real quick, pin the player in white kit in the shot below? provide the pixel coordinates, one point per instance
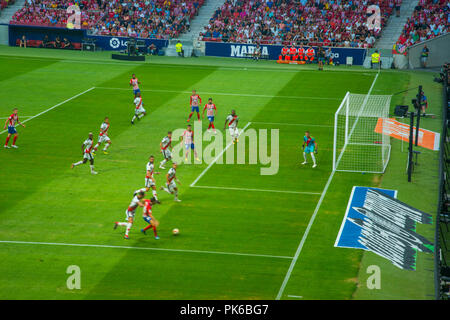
(103, 137)
(188, 138)
(232, 121)
(171, 186)
(137, 201)
(139, 111)
(86, 147)
(149, 179)
(166, 145)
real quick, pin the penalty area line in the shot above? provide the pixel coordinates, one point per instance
(143, 248)
(53, 107)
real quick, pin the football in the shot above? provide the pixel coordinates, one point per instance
(175, 231)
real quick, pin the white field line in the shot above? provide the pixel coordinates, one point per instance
(217, 158)
(257, 190)
(55, 106)
(311, 221)
(294, 124)
(142, 248)
(223, 94)
(298, 297)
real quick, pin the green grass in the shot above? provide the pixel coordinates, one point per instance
(247, 238)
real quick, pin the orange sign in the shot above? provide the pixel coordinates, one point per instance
(427, 139)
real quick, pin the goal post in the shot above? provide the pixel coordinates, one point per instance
(359, 143)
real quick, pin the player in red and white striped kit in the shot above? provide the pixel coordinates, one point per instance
(148, 217)
(11, 123)
(166, 145)
(139, 111)
(149, 179)
(188, 137)
(211, 111)
(87, 153)
(103, 137)
(137, 201)
(171, 186)
(194, 102)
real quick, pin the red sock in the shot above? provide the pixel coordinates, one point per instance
(147, 227)
(209, 127)
(212, 125)
(14, 140)
(154, 231)
(7, 140)
(190, 115)
(198, 116)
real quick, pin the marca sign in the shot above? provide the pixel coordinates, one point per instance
(240, 50)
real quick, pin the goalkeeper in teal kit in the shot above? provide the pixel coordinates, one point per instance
(309, 146)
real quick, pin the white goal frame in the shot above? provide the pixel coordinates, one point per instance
(357, 146)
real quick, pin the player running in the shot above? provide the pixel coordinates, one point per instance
(194, 102)
(134, 82)
(171, 186)
(87, 153)
(137, 201)
(139, 112)
(11, 123)
(166, 145)
(148, 217)
(211, 112)
(103, 137)
(149, 179)
(232, 121)
(311, 148)
(188, 137)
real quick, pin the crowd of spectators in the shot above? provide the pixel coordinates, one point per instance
(147, 18)
(5, 3)
(330, 22)
(132, 18)
(430, 19)
(53, 13)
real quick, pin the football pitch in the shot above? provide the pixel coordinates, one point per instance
(243, 235)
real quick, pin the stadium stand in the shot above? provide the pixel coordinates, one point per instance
(430, 19)
(160, 19)
(332, 23)
(134, 18)
(53, 13)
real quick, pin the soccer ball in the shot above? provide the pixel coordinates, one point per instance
(175, 231)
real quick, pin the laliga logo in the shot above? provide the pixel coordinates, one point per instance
(114, 43)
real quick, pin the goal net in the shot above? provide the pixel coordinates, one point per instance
(359, 142)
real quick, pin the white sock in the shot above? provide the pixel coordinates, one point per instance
(166, 190)
(141, 115)
(122, 223)
(176, 194)
(128, 228)
(313, 158)
(163, 162)
(154, 194)
(304, 156)
(96, 146)
(106, 146)
(92, 167)
(134, 118)
(78, 163)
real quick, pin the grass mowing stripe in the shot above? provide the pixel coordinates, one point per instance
(55, 106)
(258, 190)
(143, 248)
(216, 158)
(313, 217)
(225, 94)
